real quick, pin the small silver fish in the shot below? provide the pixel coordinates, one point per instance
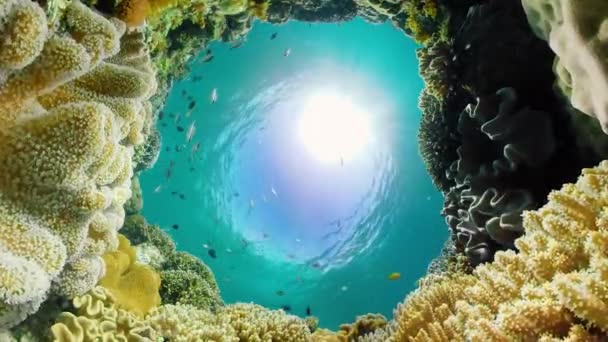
(158, 188)
(287, 52)
(274, 192)
(191, 131)
(251, 203)
(205, 246)
(178, 117)
(194, 149)
(228, 250)
(214, 95)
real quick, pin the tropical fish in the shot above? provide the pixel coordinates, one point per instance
(182, 196)
(180, 128)
(287, 52)
(236, 45)
(208, 58)
(196, 78)
(158, 188)
(228, 250)
(209, 51)
(169, 171)
(173, 193)
(298, 240)
(161, 115)
(191, 131)
(286, 308)
(214, 95)
(308, 310)
(273, 36)
(175, 226)
(178, 117)
(316, 264)
(394, 276)
(211, 253)
(167, 149)
(251, 203)
(236, 194)
(205, 246)
(194, 149)
(274, 192)
(344, 288)
(280, 293)
(191, 104)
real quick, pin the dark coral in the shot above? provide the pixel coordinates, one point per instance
(436, 142)
(312, 10)
(139, 231)
(146, 154)
(504, 149)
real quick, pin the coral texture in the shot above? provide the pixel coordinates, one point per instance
(134, 286)
(62, 141)
(554, 288)
(576, 32)
(99, 319)
(499, 138)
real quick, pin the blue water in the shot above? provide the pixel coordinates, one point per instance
(325, 233)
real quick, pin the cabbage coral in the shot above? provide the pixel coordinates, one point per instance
(134, 286)
(67, 162)
(97, 318)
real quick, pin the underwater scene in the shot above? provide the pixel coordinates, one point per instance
(303, 170)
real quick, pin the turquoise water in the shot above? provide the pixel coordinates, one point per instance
(287, 227)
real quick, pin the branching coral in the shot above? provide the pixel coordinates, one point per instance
(554, 288)
(98, 319)
(134, 286)
(67, 164)
(256, 323)
(576, 32)
(499, 139)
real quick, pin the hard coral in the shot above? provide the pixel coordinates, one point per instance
(554, 288)
(576, 32)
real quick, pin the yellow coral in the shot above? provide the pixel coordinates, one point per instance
(98, 319)
(134, 286)
(554, 288)
(187, 323)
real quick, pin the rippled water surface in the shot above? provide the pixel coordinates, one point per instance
(324, 233)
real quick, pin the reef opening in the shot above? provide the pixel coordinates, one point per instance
(81, 88)
(276, 187)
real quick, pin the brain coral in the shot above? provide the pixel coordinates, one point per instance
(66, 141)
(554, 288)
(577, 32)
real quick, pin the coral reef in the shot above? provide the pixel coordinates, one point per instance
(575, 31)
(133, 286)
(553, 288)
(68, 164)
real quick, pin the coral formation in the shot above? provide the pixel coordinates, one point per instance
(68, 165)
(133, 286)
(576, 33)
(135, 203)
(553, 288)
(98, 318)
(187, 280)
(187, 323)
(138, 231)
(483, 209)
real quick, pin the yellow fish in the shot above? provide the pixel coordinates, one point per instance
(394, 276)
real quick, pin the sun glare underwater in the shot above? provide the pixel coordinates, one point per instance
(294, 186)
